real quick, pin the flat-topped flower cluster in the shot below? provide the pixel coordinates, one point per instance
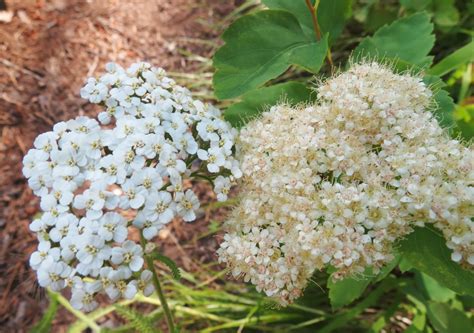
(339, 182)
(151, 138)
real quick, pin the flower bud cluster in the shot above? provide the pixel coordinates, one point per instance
(152, 138)
(339, 182)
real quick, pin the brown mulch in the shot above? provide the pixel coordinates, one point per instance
(47, 51)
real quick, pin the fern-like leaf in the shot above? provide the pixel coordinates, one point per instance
(175, 272)
(137, 321)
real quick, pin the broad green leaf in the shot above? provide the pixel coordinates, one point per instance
(409, 39)
(404, 265)
(385, 271)
(260, 47)
(444, 111)
(433, 289)
(444, 104)
(44, 325)
(465, 129)
(378, 15)
(345, 291)
(461, 56)
(298, 9)
(332, 15)
(415, 4)
(256, 101)
(445, 13)
(343, 318)
(448, 320)
(426, 251)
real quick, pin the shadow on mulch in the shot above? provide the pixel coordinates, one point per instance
(47, 51)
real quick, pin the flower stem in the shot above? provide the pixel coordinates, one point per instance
(159, 290)
(314, 18)
(317, 30)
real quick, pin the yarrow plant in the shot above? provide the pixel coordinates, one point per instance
(337, 183)
(151, 139)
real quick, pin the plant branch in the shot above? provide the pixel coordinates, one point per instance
(317, 30)
(314, 17)
(156, 282)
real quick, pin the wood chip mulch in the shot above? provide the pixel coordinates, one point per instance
(47, 50)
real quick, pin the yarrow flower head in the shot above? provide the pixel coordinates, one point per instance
(151, 140)
(339, 182)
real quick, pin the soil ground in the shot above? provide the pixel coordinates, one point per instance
(47, 50)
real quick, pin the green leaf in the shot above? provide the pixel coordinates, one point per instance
(404, 265)
(433, 289)
(448, 320)
(461, 56)
(44, 325)
(415, 4)
(260, 47)
(175, 272)
(385, 271)
(332, 15)
(378, 15)
(444, 104)
(346, 291)
(426, 251)
(342, 318)
(409, 39)
(465, 129)
(256, 101)
(444, 111)
(445, 13)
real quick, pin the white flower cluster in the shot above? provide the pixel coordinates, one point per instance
(337, 183)
(155, 136)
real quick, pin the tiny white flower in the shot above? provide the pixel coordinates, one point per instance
(145, 283)
(52, 274)
(113, 226)
(186, 205)
(44, 253)
(159, 206)
(130, 254)
(83, 298)
(92, 253)
(150, 228)
(119, 286)
(114, 170)
(92, 201)
(214, 158)
(222, 187)
(134, 196)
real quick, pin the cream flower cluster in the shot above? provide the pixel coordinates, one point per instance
(153, 137)
(338, 182)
